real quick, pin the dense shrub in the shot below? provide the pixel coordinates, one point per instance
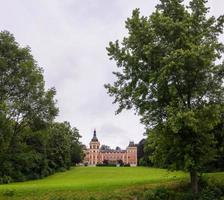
(9, 193)
(166, 194)
(5, 179)
(111, 165)
(159, 194)
(105, 165)
(210, 190)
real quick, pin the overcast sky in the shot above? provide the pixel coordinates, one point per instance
(68, 39)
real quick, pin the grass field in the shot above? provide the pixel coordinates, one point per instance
(83, 182)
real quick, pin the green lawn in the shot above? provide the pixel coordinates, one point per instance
(82, 182)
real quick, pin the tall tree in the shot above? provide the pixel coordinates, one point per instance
(32, 145)
(23, 98)
(25, 108)
(170, 76)
(63, 147)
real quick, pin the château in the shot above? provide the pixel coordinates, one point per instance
(95, 154)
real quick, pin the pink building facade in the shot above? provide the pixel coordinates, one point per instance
(96, 155)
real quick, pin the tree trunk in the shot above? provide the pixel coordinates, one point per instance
(194, 181)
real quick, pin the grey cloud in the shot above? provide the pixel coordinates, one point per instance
(68, 39)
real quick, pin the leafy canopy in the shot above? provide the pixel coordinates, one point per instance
(170, 74)
(32, 144)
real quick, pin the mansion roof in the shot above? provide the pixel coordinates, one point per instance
(107, 149)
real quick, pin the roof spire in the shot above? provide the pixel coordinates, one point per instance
(94, 139)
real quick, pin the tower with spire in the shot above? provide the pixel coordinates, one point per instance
(94, 149)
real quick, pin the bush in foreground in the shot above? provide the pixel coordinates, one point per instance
(210, 190)
(111, 165)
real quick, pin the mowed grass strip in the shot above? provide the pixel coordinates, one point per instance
(101, 182)
(97, 178)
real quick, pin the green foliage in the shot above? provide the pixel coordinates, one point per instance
(170, 76)
(218, 163)
(106, 165)
(92, 198)
(22, 92)
(5, 179)
(63, 148)
(210, 190)
(32, 144)
(9, 193)
(159, 193)
(143, 153)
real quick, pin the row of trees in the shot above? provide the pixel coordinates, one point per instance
(32, 145)
(170, 73)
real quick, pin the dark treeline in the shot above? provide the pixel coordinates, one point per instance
(32, 145)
